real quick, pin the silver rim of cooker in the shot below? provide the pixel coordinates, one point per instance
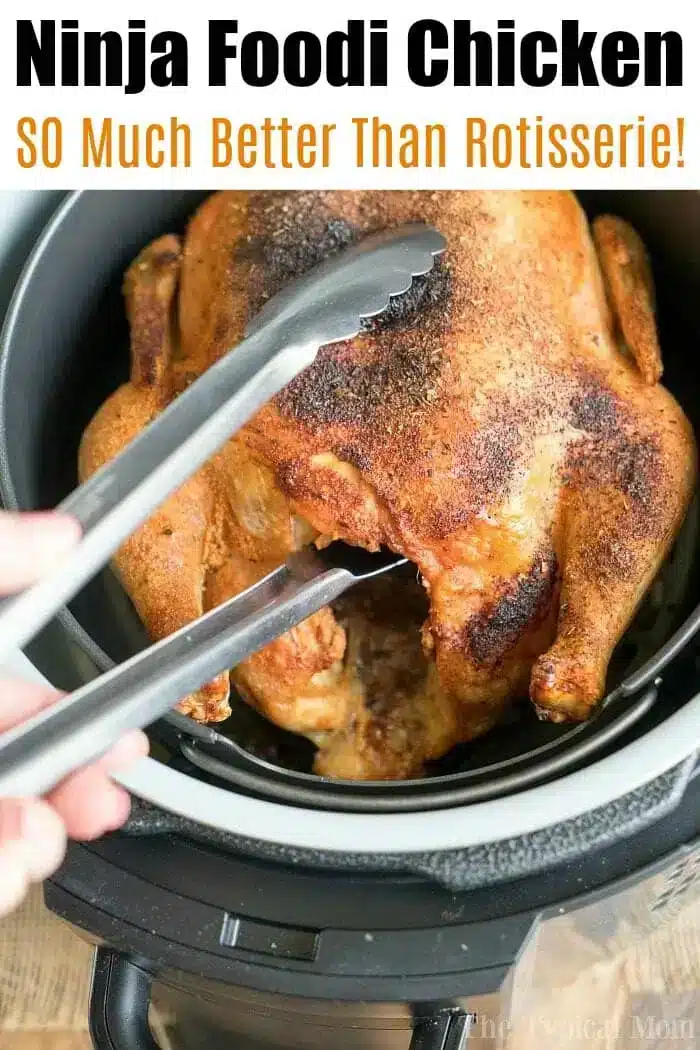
(600, 783)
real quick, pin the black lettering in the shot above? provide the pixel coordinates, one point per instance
(506, 54)
(34, 55)
(423, 35)
(378, 54)
(220, 50)
(619, 59)
(302, 59)
(70, 54)
(171, 67)
(534, 73)
(345, 56)
(103, 51)
(483, 56)
(260, 60)
(577, 67)
(136, 77)
(671, 44)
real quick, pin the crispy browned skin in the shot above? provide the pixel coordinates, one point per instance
(501, 425)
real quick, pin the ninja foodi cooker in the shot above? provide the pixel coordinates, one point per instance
(289, 911)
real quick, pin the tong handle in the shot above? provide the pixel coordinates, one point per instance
(327, 305)
(38, 754)
(124, 493)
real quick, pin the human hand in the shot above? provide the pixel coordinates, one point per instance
(33, 831)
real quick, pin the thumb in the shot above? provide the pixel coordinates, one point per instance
(31, 545)
(32, 846)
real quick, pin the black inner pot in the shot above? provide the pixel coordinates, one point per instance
(66, 350)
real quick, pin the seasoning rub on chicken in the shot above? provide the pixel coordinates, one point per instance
(502, 425)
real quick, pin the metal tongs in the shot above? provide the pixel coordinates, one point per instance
(326, 306)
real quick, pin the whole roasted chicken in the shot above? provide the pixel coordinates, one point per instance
(502, 425)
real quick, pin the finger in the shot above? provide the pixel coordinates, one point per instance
(32, 846)
(20, 700)
(31, 545)
(126, 752)
(14, 881)
(90, 804)
(14, 878)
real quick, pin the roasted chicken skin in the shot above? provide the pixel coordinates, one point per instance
(502, 425)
